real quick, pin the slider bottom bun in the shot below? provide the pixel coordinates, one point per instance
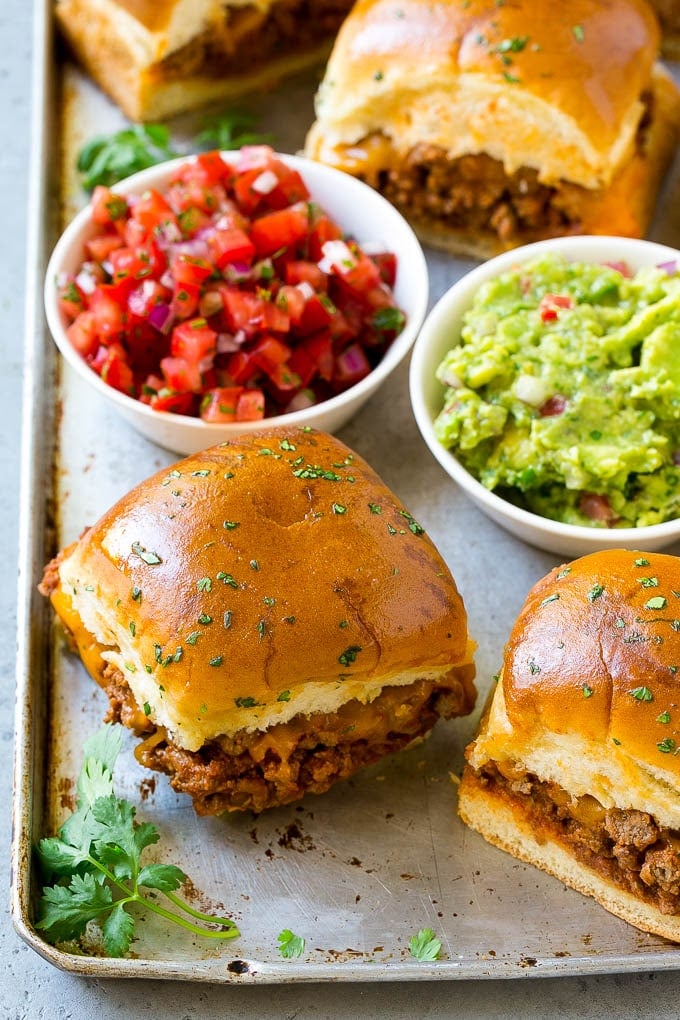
(268, 618)
(470, 205)
(516, 824)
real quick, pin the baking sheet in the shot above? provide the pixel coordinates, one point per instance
(361, 869)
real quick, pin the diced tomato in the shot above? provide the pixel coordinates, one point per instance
(208, 168)
(242, 366)
(387, 267)
(220, 404)
(177, 403)
(290, 187)
(597, 507)
(191, 270)
(181, 375)
(250, 406)
(281, 229)
(269, 353)
(292, 301)
(247, 198)
(318, 313)
(109, 315)
(231, 245)
(151, 209)
(323, 229)
(117, 373)
(194, 341)
(108, 207)
(82, 333)
(320, 349)
(71, 298)
(185, 299)
(302, 271)
(99, 248)
(550, 305)
(243, 310)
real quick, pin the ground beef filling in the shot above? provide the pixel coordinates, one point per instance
(627, 848)
(251, 38)
(253, 771)
(473, 193)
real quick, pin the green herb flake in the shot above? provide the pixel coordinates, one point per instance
(284, 696)
(247, 702)
(338, 508)
(375, 508)
(616, 741)
(349, 655)
(641, 562)
(226, 579)
(664, 717)
(413, 525)
(587, 691)
(425, 946)
(286, 444)
(642, 694)
(230, 525)
(658, 602)
(666, 746)
(549, 598)
(205, 584)
(578, 33)
(649, 582)
(204, 619)
(192, 638)
(620, 623)
(595, 592)
(96, 861)
(563, 573)
(226, 619)
(254, 565)
(146, 708)
(136, 594)
(290, 946)
(133, 627)
(217, 661)
(146, 555)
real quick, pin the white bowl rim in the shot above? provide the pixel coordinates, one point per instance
(154, 176)
(618, 248)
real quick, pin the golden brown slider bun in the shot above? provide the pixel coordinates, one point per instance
(158, 58)
(269, 615)
(576, 767)
(490, 125)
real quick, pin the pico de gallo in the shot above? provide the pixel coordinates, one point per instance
(228, 295)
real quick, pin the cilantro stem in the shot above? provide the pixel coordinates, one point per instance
(134, 896)
(210, 919)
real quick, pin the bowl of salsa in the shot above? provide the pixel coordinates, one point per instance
(224, 292)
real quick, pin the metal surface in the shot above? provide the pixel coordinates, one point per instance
(358, 871)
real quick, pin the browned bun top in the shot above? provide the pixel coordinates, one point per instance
(595, 652)
(266, 576)
(511, 79)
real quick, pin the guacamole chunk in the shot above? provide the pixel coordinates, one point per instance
(563, 394)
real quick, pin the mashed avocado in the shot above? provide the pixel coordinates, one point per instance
(564, 392)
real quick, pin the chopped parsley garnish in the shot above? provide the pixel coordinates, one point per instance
(349, 655)
(667, 745)
(642, 694)
(658, 602)
(587, 691)
(664, 717)
(146, 555)
(595, 592)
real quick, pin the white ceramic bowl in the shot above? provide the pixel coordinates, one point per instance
(441, 331)
(359, 210)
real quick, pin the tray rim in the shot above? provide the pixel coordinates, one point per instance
(38, 462)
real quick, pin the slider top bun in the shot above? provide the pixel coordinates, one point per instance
(265, 577)
(589, 695)
(556, 87)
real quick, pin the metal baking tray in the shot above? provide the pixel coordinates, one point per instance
(361, 869)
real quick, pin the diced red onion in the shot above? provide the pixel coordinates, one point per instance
(227, 343)
(301, 400)
(336, 253)
(167, 280)
(161, 318)
(352, 361)
(669, 267)
(205, 364)
(265, 183)
(252, 156)
(305, 289)
(167, 233)
(236, 272)
(197, 249)
(86, 281)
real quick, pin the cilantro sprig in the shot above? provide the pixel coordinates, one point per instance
(107, 159)
(94, 864)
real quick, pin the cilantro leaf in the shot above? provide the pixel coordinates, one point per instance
(94, 864)
(109, 158)
(425, 945)
(229, 130)
(290, 946)
(66, 910)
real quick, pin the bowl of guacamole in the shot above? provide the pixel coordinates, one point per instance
(547, 383)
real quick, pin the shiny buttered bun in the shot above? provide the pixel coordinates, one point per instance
(491, 125)
(576, 767)
(269, 617)
(159, 58)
